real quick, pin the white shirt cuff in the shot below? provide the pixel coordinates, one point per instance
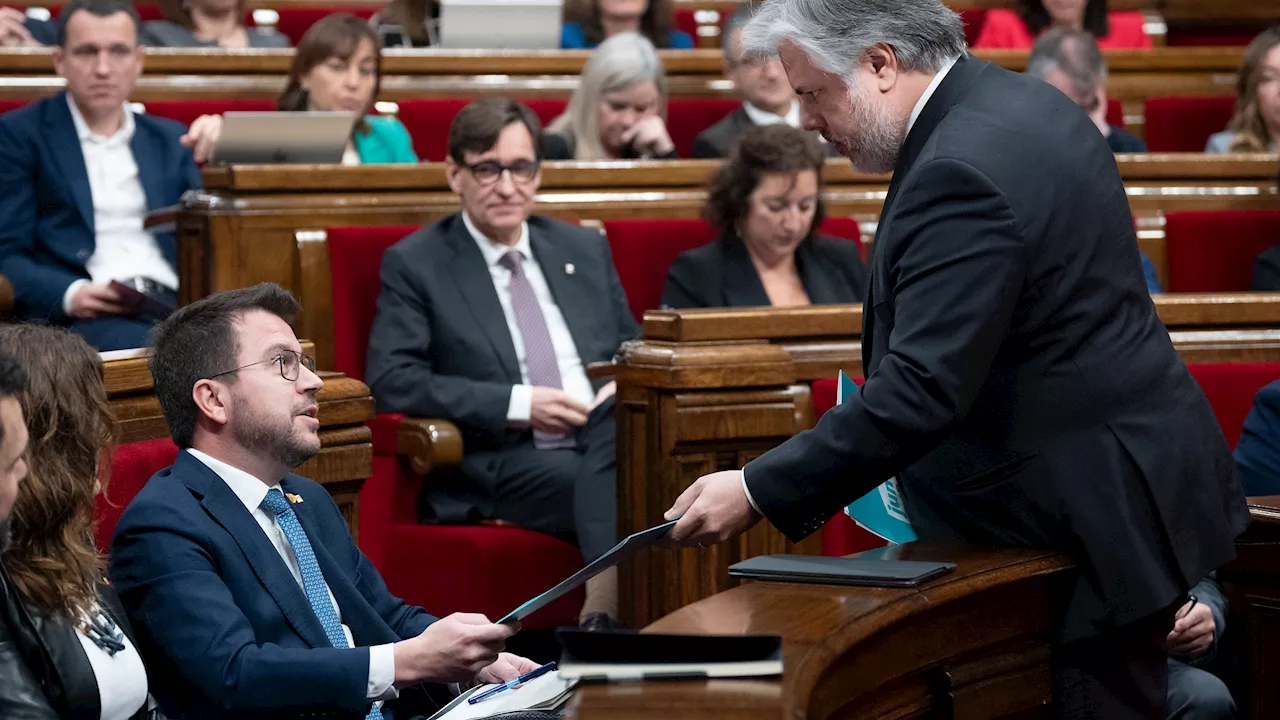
(382, 673)
(70, 293)
(747, 490)
(520, 408)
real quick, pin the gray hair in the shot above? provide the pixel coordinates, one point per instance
(924, 34)
(618, 63)
(1075, 53)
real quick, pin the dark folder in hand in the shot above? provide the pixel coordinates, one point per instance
(839, 570)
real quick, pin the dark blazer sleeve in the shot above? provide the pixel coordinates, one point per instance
(704, 148)
(401, 371)
(168, 580)
(687, 283)
(957, 267)
(555, 146)
(1257, 454)
(44, 32)
(1266, 270)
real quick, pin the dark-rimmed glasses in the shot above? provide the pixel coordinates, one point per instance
(288, 360)
(488, 171)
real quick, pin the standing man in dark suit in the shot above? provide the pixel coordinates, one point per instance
(79, 172)
(489, 319)
(248, 595)
(766, 97)
(1019, 383)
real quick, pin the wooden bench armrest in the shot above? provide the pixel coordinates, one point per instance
(6, 297)
(429, 443)
(162, 220)
(601, 370)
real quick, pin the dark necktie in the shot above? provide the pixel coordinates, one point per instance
(539, 353)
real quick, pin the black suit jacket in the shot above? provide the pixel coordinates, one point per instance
(440, 345)
(1019, 382)
(717, 140)
(1266, 270)
(720, 274)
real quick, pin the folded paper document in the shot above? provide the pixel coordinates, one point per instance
(547, 692)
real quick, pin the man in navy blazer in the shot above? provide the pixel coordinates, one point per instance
(248, 595)
(78, 173)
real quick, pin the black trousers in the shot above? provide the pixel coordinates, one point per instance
(571, 493)
(1121, 674)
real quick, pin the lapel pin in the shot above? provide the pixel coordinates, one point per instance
(568, 268)
(295, 499)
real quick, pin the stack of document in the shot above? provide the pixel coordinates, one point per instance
(547, 692)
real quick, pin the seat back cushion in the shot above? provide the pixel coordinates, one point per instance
(355, 261)
(132, 465)
(186, 111)
(643, 251)
(1230, 388)
(686, 117)
(1184, 124)
(1214, 250)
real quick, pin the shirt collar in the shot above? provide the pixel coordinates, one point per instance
(762, 117)
(493, 251)
(928, 92)
(248, 488)
(123, 135)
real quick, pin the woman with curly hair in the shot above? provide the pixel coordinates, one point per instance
(65, 651)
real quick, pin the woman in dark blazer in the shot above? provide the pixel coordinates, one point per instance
(766, 202)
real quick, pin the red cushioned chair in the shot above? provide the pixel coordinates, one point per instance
(1214, 250)
(841, 535)
(1115, 113)
(294, 22)
(1230, 388)
(186, 111)
(1184, 124)
(132, 466)
(7, 105)
(547, 109)
(446, 569)
(643, 251)
(686, 117)
(686, 20)
(973, 20)
(428, 121)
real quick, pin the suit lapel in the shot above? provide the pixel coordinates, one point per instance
(742, 284)
(475, 283)
(355, 610)
(566, 288)
(66, 151)
(147, 153)
(815, 278)
(223, 505)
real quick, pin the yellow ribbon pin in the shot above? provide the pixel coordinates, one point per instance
(295, 499)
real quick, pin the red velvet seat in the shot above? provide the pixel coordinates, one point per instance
(132, 466)
(973, 19)
(484, 569)
(686, 20)
(1184, 124)
(643, 251)
(186, 111)
(1230, 388)
(1214, 250)
(686, 117)
(1115, 113)
(841, 535)
(295, 21)
(7, 105)
(428, 121)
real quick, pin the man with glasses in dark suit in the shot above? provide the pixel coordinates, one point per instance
(489, 319)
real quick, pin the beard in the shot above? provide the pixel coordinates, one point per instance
(878, 134)
(272, 436)
(6, 535)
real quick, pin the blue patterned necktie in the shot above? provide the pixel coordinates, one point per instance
(312, 577)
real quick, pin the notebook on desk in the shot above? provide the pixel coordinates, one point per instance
(869, 571)
(546, 693)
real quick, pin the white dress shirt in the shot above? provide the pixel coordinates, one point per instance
(252, 491)
(763, 117)
(573, 375)
(122, 248)
(911, 120)
(121, 678)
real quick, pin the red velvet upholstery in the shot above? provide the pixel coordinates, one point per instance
(547, 109)
(7, 105)
(1230, 388)
(1115, 113)
(1214, 251)
(1202, 36)
(428, 121)
(295, 21)
(686, 20)
(644, 249)
(355, 259)
(1184, 124)
(686, 117)
(186, 111)
(841, 535)
(973, 18)
(445, 569)
(131, 467)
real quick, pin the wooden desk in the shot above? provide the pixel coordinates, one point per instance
(974, 644)
(345, 459)
(709, 390)
(243, 227)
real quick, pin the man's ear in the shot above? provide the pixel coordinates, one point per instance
(451, 170)
(211, 400)
(884, 65)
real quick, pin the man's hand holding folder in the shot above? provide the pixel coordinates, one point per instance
(459, 648)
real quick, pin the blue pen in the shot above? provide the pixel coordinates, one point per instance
(516, 682)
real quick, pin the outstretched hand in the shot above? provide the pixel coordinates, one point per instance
(711, 510)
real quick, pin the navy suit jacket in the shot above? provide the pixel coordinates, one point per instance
(225, 630)
(1258, 451)
(46, 210)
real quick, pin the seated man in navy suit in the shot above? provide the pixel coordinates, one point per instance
(247, 593)
(489, 319)
(78, 173)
